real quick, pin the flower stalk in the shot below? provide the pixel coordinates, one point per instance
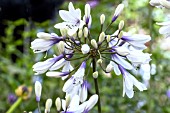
(96, 86)
(15, 105)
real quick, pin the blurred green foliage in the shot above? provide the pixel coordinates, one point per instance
(139, 17)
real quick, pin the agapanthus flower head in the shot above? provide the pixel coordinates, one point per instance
(78, 45)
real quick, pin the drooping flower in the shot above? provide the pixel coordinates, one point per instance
(73, 85)
(44, 42)
(72, 19)
(137, 40)
(128, 82)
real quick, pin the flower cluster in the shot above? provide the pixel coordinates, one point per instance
(123, 51)
(165, 25)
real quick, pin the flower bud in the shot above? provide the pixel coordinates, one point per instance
(108, 38)
(87, 10)
(80, 33)
(120, 35)
(85, 31)
(61, 47)
(48, 105)
(95, 74)
(38, 89)
(94, 43)
(68, 99)
(101, 37)
(58, 104)
(85, 48)
(121, 25)
(109, 68)
(99, 61)
(63, 32)
(102, 18)
(117, 11)
(165, 3)
(74, 35)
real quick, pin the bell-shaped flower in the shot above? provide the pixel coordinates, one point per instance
(42, 67)
(72, 20)
(165, 28)
(129, 81)
(75, 107)
(56, 74)
(137, 40)
(72, 86)
(44, 42)
(137, 57)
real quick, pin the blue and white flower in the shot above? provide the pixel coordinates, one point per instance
(72, 20)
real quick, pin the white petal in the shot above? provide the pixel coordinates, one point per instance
(122, 62)
(54, 74)
(58, 64)
(61, 25)
(164, 29)
(67, 16)
(92, 101)
(129, 93)
(72, 31)
(68, 86)
(64, 104)
(116, 68)
(74, 104)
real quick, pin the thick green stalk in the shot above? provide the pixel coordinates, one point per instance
(96, 86)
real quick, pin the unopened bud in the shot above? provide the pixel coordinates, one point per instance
(102, 18)
(48, 105)
(109, 68)
(108, 38)
(68, 99)
(94, 43)
(101, 37)
(85, 48)
(85, 31)
(99, 61)
(95, 74)
(87, 10)
(38, 89)
(61, 47)
(121, 25)
(120, 35)
(117, 11)
(58, 104)
(80, 33)
(63, 32)
(74, 35)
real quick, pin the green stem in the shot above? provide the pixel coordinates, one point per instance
(15, 105)
(96, 86)
(39, 110)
